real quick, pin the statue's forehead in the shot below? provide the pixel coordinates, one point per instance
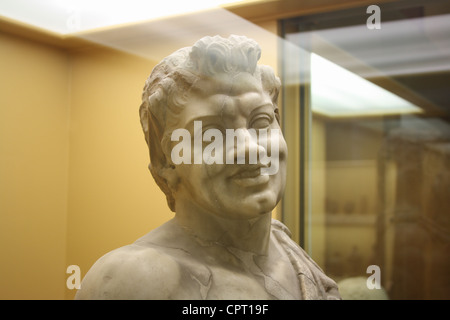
(227, 84)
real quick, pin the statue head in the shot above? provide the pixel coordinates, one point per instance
(212, 66)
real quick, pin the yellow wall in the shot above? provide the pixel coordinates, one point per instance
(73, 166)
(33, 169)
(113, 199)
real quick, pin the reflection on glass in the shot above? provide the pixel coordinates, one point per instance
(65, 17)
(337, 92)
(379, 149)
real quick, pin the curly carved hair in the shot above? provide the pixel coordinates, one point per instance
(168, 87)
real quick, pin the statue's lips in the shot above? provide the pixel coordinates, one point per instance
(250, 176)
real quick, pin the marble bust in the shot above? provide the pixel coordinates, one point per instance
(210, 119)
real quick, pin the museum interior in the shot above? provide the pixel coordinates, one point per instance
(364, 108)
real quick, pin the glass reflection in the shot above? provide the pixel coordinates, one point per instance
(378, 145)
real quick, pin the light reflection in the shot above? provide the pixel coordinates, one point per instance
(66, 17)
(411, 46)
(337, 92)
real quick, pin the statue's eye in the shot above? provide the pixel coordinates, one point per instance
(261, 121)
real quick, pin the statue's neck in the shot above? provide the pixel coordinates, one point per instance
(210, 229)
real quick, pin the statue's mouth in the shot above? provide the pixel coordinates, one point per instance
(250, 175)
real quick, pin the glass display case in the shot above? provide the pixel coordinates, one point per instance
(368, 108)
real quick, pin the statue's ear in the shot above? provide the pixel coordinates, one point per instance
(170, 176)
(161, 168)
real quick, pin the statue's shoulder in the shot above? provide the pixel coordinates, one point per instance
(315, 284)
(283, 235)
(279, 226)
(131, 272)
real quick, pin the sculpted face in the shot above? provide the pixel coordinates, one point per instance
(231, 190)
